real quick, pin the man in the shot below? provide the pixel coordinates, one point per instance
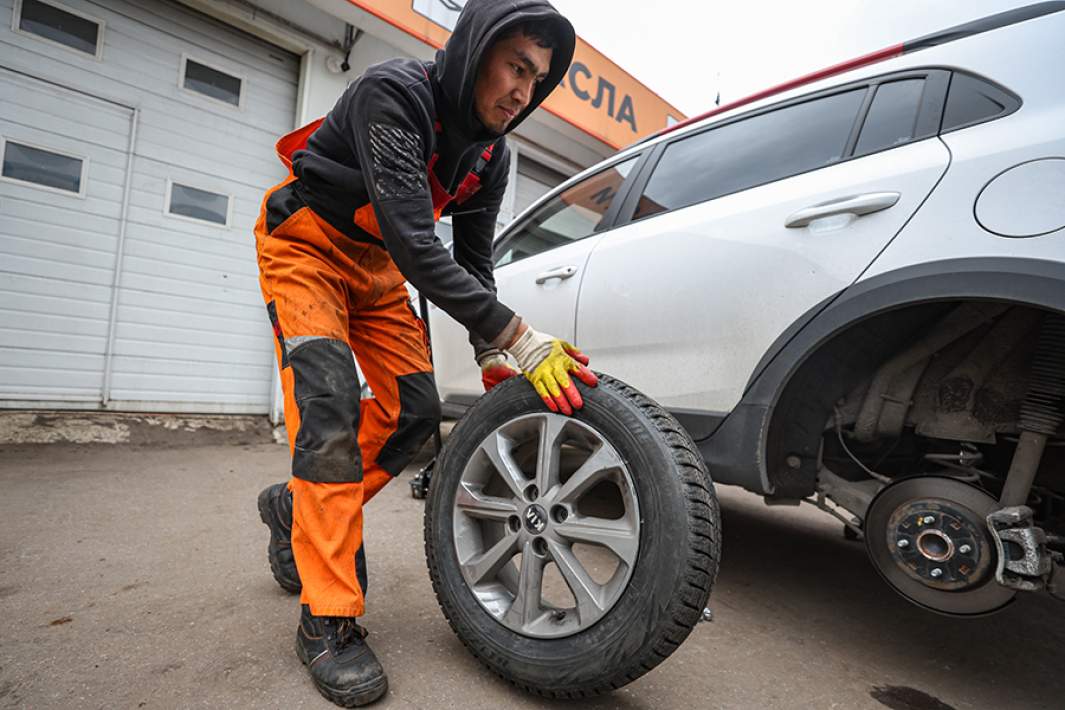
(406, 143)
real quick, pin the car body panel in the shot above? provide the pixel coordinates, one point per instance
(705, 290)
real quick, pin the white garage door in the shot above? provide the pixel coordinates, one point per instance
(187, 331)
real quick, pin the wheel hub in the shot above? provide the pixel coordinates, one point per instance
(927, 537)
(938, 544)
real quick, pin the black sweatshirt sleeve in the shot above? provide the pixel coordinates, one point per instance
(389, 129)
(474, 223)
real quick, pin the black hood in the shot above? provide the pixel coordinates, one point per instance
(481, 22)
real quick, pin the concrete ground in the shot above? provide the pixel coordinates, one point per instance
(135, 576)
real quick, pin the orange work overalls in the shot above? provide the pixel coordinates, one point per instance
(329, 295)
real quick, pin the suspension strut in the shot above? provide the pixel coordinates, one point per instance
(1023, 560)
(1042, 411)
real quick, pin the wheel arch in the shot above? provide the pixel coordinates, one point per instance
(774, 423)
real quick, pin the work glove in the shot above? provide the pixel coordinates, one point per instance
(495, 368)
(548, 362)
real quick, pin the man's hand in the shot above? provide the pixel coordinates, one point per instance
(495, 368)
(548, 363)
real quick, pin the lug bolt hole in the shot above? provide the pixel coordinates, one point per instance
(514, 523)
(539, 546)
(532, 493)
(559, 514)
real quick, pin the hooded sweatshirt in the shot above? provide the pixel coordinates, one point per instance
(375, 146)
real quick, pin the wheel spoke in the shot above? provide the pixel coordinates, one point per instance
(474, 503)
(547, 453)
(585, 590)
(527, 602)
(497, 449)
(489, 563)
(597, 467)
(618, 536)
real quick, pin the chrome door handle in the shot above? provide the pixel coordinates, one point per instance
(857, 205)
(561, 273)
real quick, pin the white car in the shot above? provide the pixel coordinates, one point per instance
(850, 290)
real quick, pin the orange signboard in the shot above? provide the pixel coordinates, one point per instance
(597, 96)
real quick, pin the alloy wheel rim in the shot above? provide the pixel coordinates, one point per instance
(546, 525)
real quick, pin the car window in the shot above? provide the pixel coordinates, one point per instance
(751, 152)
(573, 214)
(892, 117)
(972, 100)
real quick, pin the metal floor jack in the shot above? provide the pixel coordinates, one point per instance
(419, 485)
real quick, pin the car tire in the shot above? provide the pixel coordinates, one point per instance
(669, 582)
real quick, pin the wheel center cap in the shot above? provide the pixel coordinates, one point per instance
(535, 519)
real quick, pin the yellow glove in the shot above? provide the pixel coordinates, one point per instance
(547, 363)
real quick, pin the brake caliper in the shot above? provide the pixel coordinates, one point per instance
(1024, 562)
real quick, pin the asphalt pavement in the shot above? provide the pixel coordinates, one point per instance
(135, 576)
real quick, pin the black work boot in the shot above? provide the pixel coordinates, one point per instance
(275, 508)
(342, 666)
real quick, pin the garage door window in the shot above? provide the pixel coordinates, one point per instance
(42, 167)
(200, 205)
(751, 152)
(573, 214)
(60, 24)
(213, 83)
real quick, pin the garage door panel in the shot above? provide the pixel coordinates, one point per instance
(54, 342)
(134, 282)
(35, 285)
(62, 134)
(202, 402)
(168, 101)
(73, 255)
(93, 226)
(177, 22)
(191, 386)
(36, 358)
(91, 205)
(23, 228)
(62, 110)
(48, 322)
(258, 372)
(194, 276)
(184, 254)
(207, 356)
(74, 273)
(71, 304)
(232, 251)
(171, 305)
(258, 159)
(100, 199)
(78, 381)
(167, 336)
(136, 314)
(153, 175)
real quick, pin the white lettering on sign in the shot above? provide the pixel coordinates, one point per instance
(443, 12)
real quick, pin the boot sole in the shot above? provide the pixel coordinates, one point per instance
(351, 697)
(267, 516)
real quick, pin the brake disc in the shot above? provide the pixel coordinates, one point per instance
(928, 538)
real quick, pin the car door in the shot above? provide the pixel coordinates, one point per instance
(539, 265)
(740, 230)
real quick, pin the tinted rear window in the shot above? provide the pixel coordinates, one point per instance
(973, 100)
(751, 152)
(892, 117)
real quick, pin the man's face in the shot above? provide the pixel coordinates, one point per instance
(507, 79)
